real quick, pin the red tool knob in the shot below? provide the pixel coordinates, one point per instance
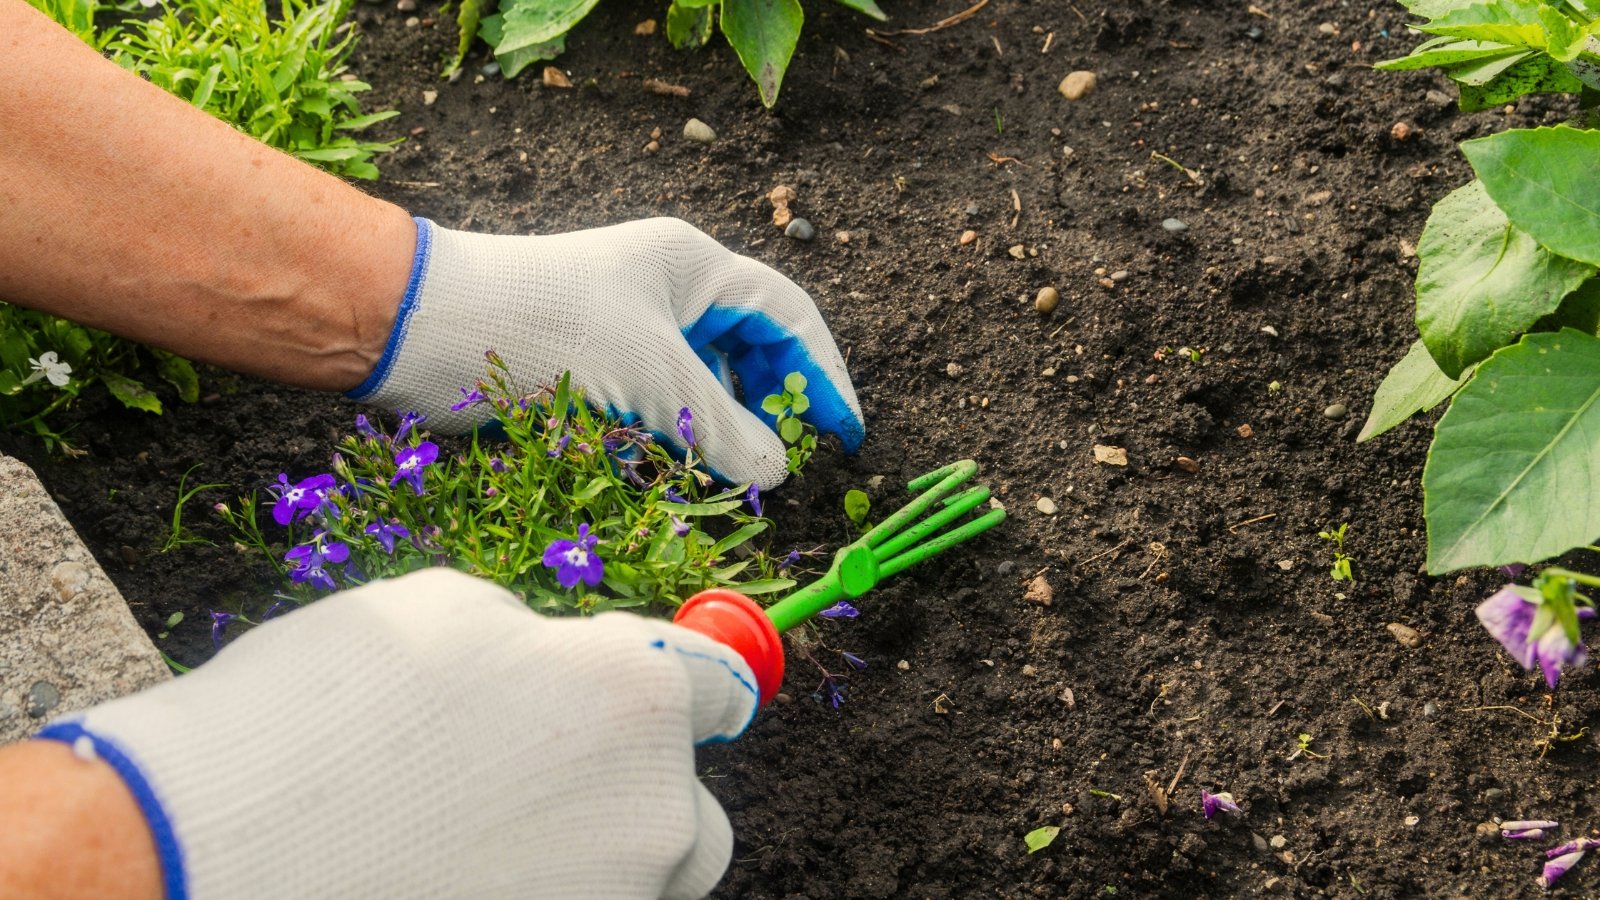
(734, 620)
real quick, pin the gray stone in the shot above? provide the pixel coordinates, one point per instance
(799, 229)
(406, 5)
(490, 70)
(699, 132)
(67, 639)
(1336, 411)
(1176, 226)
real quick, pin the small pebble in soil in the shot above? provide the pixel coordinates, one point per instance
(1078, 85)
(1430, 709)
(1017, 251)
(1269, 331)
(1047, 300)
(1046, 506)
(1121, 275)
(1402, 131)
(1030, 671)
(1405, 634)
(1260, 842)
(699, 132)
(842, 237)
(553, 77)
(782, 699)
(428, 97)
(1039, 592)
(1176, 226)
(406, 5)
(799, 229)
(1411, 821)
(1006, 568)
(490, 70)
(413, 22)
(954, 370)
(1328, 28)
(1487, 831)
(1278, 842)
(1187, 464)
(1336, 411)
(42, 698)
(967, 237)
(1255, 33)
(903, 665)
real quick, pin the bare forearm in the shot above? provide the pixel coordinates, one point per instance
(69, 828)
(127, 209)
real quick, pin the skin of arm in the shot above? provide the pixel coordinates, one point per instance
(69, 828)
(126, 209)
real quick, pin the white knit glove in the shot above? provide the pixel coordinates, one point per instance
(430, 737)
(648, 317)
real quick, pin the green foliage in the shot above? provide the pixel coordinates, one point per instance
(1512, 255)
(1040, 838)
(856, 507)
(493, 507)
(177, 534)
(1507, 477)
(786, 409)
(764, 33)
(1342, 562)
(276, 80)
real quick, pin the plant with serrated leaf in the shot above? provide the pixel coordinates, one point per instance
(1508, 298)
(764, 33)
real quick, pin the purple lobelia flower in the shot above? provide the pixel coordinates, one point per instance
(1211, 804)
(1527, 829)
(296, 501)
(311, 561)
(753, 497)
(219, 627)
(787, 561)
(560, 447)
(855, 661)
(840, 610)
(686, 426)
(274, 610)
(834, 692)
(1557, 867)
(497, 464)
(673, 496)
(410, 462)
(1520, 620)
(386, 532)
(365, 429)
(575, 560)
(1572, 847)
(680, 527)
(468, 398)
(408, 421)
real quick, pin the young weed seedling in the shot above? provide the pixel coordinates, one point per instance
(787, 408)
(856, 506)
(1342, 561)
(177, 535)
(1303, 747)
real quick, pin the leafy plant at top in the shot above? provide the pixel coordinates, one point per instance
(1508, 296)
(280, 81)
(572, 511)
(764, 33)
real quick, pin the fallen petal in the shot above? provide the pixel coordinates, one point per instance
(1558, 867)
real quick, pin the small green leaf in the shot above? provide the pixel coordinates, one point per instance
(800, 405)
(865, 7)
(684, 510)
(180, 373)
(773, 404)
(1040, 838)
(9, 383)
(738, 537)
(795, 383)
(360, 122)
(1507, 478)
(856, 506)
(764, 33)
(1481, 281)
(1546, 181)
(766, 586)
(174, 619)
(468, 18)
(526, 23)
(1414, 385)
(689, 25)
(132, 393)
(790, 430)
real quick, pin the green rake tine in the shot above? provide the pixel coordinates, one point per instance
(946, 480)
(941, 543)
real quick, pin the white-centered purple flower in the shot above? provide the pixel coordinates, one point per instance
(1533, 637)
(840, 610)
(386, 532)
(753, 497)
(686, 426)
(1557, 867)
(575, 560)
(409, 463)
(1211, 804)
(311, 561)
(296, 501)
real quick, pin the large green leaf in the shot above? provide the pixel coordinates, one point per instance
(1447, 51)
(1512, 473)
(1414, 385)
(180, 373)
(1547, 181)
(526, 23)
(514, 61)
(1482, 281)
(1537, 74)
(1433, 9)
(1500, 21)
(764, 33)
(132, 393)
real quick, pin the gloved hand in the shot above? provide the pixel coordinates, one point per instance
(430, 737)
(648, 316)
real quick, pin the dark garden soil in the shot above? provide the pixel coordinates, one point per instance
(1194, 623)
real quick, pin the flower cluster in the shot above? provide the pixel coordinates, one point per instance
(1559, 859)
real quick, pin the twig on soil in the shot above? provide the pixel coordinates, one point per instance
(1075, 9)
(1160, 550)
(999, 160)
(1061, 326)
(1016, 204)
(1554, 724)
(1047, 40)
(956, 19)
(414, 184)
(1098, 555)
(1234, 529)
(664, 88)
(874, 36)
(1365, 708)
(997, 50)
(1184, 764)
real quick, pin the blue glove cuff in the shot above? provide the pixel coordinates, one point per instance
(402, 318)
(169, 853)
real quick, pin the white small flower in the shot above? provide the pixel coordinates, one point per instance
(49, 366)
(149, 4)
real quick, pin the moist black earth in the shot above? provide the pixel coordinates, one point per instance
(1194, 624)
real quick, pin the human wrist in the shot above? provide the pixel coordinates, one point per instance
(70, 827)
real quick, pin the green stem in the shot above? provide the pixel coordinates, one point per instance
(1579, 577)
